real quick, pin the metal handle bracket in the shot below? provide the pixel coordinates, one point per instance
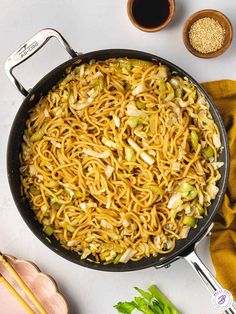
(29, 48)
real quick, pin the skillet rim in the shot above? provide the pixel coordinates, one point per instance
(36, 227)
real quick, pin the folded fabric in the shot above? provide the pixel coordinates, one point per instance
(223, 238)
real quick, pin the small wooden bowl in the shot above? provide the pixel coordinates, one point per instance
(216, 15)
(150, 29)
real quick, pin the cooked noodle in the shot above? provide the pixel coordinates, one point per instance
(120, 159)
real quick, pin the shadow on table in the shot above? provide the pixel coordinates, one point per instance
(72, 304)
(179, 15)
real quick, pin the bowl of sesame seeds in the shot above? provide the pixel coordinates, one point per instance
(207, 33)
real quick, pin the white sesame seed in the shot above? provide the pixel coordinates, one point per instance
(206, 35)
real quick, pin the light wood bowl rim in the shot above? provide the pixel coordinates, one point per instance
(221, 18)
(151, 29)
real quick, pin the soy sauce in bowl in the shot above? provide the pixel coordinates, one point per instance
(151, 15)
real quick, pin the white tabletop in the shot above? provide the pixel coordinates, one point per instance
(92, 25)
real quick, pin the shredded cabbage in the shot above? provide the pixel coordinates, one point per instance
(108, 171)
(129, 253)
(175, 201)
(133, 111)
(92, 153)
(116, 120)
(212, 190)
(138, 89)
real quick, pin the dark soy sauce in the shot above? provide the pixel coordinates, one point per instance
(150, 13)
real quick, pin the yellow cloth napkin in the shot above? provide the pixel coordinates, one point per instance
(223, 239)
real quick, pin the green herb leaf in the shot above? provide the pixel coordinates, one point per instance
(144, 294)
(141, 304)
(125, 307)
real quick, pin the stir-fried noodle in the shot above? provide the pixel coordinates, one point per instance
(120, 159)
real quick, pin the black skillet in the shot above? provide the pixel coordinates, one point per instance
(185, 248)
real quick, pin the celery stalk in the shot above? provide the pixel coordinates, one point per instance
(162, 299)
(150, 302)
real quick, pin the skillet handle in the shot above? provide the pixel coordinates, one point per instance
(31, 47)
(221, 298)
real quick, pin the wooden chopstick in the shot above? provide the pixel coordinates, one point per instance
(21, 283)
(15, 294)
